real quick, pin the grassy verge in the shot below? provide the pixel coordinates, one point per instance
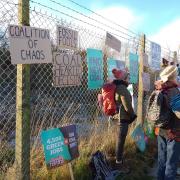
(100, 140)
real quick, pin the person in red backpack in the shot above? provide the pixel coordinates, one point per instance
(126, 114)
(168, 138)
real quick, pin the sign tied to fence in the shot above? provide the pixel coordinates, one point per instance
(95, 68)
(113, 42)
(146, 81)
(67, 38)
(60, 145)
(145, 60)
(133, 67)
(155, 60)
(67, 70)
(29, 45)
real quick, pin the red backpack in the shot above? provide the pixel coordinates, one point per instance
(107, 99)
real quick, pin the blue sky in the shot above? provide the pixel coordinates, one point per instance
(155, 13)
(158, 19)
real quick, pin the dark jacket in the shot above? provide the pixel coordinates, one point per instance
(174, 131)
(124, 100)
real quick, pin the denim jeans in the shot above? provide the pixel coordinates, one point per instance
(121, 137)
(168, 157)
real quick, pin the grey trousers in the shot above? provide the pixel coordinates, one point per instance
(121, 137)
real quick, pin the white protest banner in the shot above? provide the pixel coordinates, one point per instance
(146, 81)
(67, 70)
(145, 60)
(29, 45)
(155, 59)
(67, 38)
(113, 42)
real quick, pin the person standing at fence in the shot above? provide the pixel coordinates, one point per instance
(169, 138)
(126, 114)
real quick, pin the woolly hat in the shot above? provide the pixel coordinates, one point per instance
(169, 74)
(119, 74)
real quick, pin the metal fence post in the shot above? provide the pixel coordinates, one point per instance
(22, 153)
(140, 87)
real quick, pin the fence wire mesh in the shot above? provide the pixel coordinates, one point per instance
(54, 106)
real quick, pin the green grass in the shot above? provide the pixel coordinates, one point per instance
(104, 141)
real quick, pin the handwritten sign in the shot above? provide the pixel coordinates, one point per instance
(60, 145)
(67, 70)
(145, 60)
(29, 45)
(67, 38)
(155, 60)
(113, 42)
(146, 81)
(95, 68)
(133, 68)
(112, 63)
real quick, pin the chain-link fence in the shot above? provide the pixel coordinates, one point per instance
(55, 106)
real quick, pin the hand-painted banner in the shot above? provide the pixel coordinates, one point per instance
(67, 38)
(67, 70)
(60, 145)
(112, 63)
(155, 58)
(133, 68)
(146, 81)
(29, 45)
(95, 68)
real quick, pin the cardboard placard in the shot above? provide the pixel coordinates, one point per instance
(67, 38)
(113, 42)
(67, 70)
(29, 45)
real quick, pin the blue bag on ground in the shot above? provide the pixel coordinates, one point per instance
(139, 138)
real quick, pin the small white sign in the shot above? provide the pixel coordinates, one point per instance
(145, 60)
(67, 38)
(155, 60)
(113, 42)
(29, 45)
(67, 70)
(146, 81)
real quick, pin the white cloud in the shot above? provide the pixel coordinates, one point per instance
(122, 16)
(169, 35)
(118, 17)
